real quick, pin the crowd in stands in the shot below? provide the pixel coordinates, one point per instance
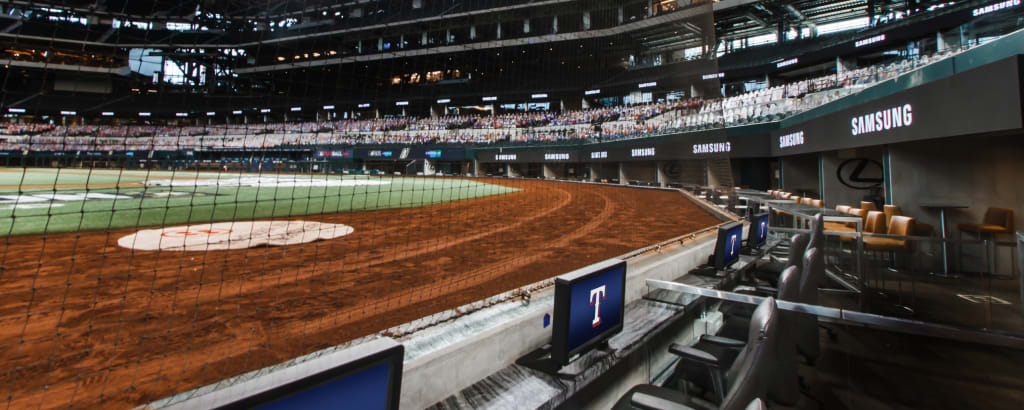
(590, 124)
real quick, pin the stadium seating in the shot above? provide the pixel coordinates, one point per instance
(746, 380)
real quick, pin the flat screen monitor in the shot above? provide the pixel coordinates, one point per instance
(589, 308)
(365, 376)
(758, 230)
(727, 247)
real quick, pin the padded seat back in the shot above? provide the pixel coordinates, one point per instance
(891, 211)
(901, 226)
(870, 206)
(875, 223)
(817, 238)
(749, 378)
(814, 273)
(818, 203)
(843, 208)
(785, 387)
(1000, 217)
(797, 247)
(861, 212)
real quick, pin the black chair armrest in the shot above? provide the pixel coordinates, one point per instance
(694, 355)
(649, 402)
(767, 290)
(722, 342)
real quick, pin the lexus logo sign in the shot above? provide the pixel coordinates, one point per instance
(857, 173)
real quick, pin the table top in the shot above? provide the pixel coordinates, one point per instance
(947, 205)
(807, 210)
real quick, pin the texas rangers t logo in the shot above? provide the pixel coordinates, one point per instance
(596, 295)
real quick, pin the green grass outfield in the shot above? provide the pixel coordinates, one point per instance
(34, 201)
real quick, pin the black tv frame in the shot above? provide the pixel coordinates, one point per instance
(394, 356)
(752, 241)
(719, 259)
(560, 319)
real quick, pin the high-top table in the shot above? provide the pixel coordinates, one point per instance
(942, 206)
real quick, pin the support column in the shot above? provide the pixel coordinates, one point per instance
(593, 173)
(478, 171)
(623, 178)
(843, 66)
(548, 172)
(660, 176)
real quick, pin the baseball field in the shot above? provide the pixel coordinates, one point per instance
(123, 287)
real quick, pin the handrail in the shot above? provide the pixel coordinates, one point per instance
(892, 324)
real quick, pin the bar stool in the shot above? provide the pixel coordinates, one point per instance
(997, 221)
(920, 228)
(902, 226)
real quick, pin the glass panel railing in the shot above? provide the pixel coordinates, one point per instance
(970, 283)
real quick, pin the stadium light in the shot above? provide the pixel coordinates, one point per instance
(488, 99)
(68, 113)
(181, 114)
(539, 96)
(366, 105)
(107, 113)
(16, 110)
(402, 103)
(145, 114)
(444, 101)
(265, 111)
(296, 109)
(328, 107)
(210, 113)
(237, 112)
(592, 92)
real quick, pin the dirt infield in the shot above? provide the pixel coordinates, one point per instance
(85, 322)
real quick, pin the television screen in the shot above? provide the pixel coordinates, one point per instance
(589, 308)
(727, 248)
(758, 230)
(366, 388)
(364, 376)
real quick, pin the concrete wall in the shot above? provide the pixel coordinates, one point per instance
(640, 171)
(979, 172)
(602, 170)
(437, 372)
(800, 174)
(836, 193)
(720, 173)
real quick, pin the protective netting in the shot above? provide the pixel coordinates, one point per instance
(193, 190)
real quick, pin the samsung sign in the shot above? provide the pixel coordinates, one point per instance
(712, 148)
(599, 155)
(557, 157)
(712, 76)
(791, 139)
(787, 63)
(870, 40)
(995, 7)
(887, 119)
(642, 152)
(505, 157)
